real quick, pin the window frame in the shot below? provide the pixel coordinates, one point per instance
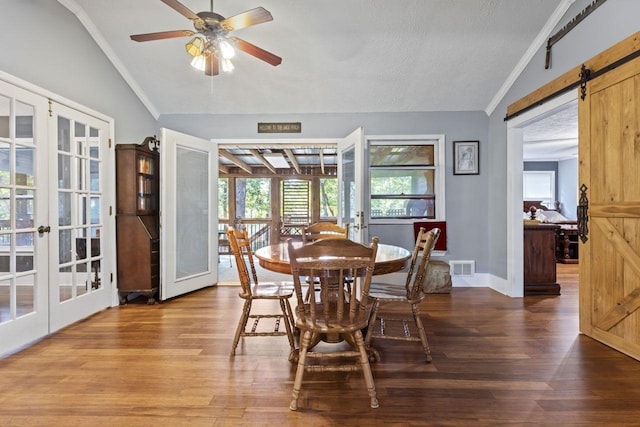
(438, 141)
(552, 186)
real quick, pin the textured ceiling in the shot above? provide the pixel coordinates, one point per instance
(338, 55)
(554, 136)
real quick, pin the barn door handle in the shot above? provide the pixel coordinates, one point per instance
(583, 217)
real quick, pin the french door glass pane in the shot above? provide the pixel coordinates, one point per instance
(24, 165)
(5, 295)
(348, 186)
(64, 171)
(5, 105)
(5, 162)
(24, 122)
(25, 291)
(65, 285)
(24, 252)
(64, 134)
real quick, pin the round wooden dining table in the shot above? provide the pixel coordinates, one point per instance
(389, 258)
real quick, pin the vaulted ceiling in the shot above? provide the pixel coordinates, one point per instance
(338, 56)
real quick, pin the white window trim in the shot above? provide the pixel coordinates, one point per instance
(439, 154)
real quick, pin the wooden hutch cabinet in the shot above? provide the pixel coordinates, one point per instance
(137, 219)
(540, 260)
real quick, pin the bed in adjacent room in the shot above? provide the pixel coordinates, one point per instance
(566, 235)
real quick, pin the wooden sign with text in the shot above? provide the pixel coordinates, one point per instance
(294, 127)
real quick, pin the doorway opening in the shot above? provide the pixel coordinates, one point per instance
(517, 129)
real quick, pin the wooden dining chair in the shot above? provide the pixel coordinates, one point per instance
(324, 230)
(334, 313)
(253, 290)
(411, 294)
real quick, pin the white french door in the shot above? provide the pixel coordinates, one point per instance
(81, 229)
(351, 179)
(188, 213)
(24, 311)
(54, 225)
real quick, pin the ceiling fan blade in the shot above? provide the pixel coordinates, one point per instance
(161, 35)
(181, 9)
(254, 50)
(246, 19)
(211, 66)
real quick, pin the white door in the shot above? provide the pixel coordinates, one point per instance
(24, 310)
(82, 233)
(188, 213)
(351, 179)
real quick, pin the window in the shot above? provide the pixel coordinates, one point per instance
(328, 198)
(406, 178)
(540, 185)
(296, 202)
(223, 198)
(253, 197)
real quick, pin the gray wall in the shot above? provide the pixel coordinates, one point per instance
(43, 43)
(466, 195)
(612, 22)
(568, 187)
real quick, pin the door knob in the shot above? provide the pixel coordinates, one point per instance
(42, 229)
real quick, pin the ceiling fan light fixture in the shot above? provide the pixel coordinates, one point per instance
(210, 46)
(226, 49)
(227, 65)
(195, 46)
(199, 62)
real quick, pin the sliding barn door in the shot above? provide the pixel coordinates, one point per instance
(610, 184)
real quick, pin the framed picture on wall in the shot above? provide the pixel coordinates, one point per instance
(466, 158)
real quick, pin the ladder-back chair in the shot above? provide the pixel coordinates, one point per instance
(324, 230)
(411, 294)
(253, 290)
(334, 312)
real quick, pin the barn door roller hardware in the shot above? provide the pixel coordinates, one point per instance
(570, 25)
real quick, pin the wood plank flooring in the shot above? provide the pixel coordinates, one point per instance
(496, 361)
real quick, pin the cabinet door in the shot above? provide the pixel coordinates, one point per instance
(189, 220)
(146, 184)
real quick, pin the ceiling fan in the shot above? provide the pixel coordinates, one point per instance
(212, 48)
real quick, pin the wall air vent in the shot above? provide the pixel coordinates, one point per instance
(462, 268)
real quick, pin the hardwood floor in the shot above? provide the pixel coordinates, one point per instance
(496, 361)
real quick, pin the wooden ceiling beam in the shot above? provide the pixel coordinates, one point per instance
(293, 159)
(236, 161)
(264, 161)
